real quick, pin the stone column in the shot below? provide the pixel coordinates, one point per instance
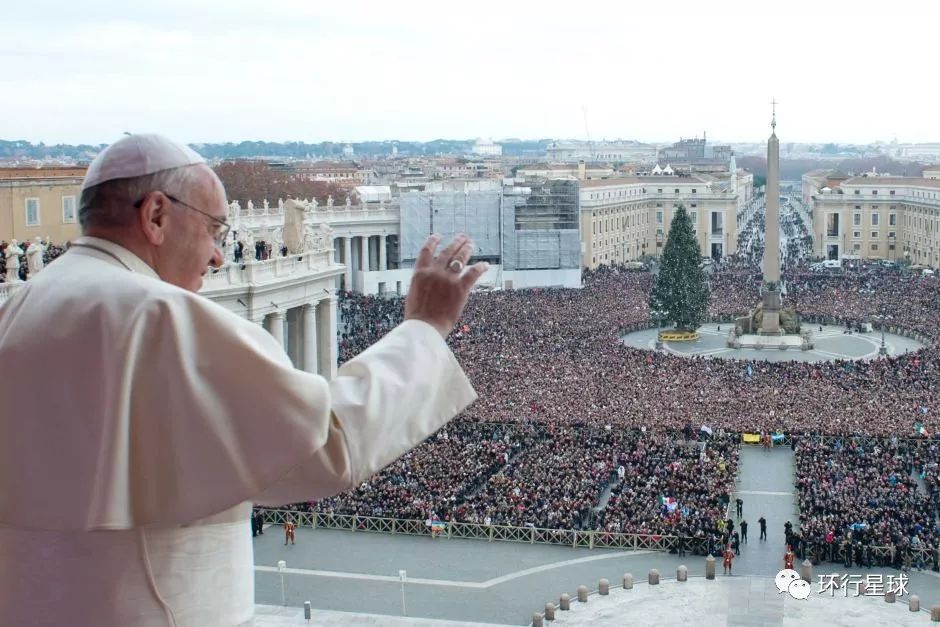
(347, 259)
(309, 351)
(294, 337)
(364, 253)
(274, 323)
(383, 253)
(327, 346)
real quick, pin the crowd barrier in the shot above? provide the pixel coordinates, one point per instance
(875, 555)
(492, 533)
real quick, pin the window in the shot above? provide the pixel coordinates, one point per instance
(857, 192)
(717, 223)
(857, 219)
(874, 234)
(32, 212)
(659, 217)
(874, 246)
(677, 190)
(832, 224)
(891, 192)
(874, 219)
(856, 235)
(857, 246)
(892, 219)
(68, 210)
(693, 190)
(659, 191)
(874, 192)
(891, 235)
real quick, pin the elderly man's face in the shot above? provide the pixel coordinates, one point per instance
(191, 248)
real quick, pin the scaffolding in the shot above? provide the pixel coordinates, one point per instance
(533, 226)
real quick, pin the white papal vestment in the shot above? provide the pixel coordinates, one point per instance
(138, 421)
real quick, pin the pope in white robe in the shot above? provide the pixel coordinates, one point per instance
(139, 422)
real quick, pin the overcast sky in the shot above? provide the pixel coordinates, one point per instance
(349, 71)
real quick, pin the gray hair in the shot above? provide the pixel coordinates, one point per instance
(110, 204)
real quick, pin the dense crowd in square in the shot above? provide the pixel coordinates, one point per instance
(575, 430)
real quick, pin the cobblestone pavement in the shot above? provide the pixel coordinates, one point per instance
(830, 343)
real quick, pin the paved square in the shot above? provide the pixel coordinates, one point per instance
(829, 344)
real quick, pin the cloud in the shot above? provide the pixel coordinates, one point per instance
(287, 69)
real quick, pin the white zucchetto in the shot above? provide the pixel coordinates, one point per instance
(138, 155)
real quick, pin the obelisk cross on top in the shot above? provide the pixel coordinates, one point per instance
(772, 223)
(773, 116)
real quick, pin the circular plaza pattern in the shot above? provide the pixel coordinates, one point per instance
(829, 343)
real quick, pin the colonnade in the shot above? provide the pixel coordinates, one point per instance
(308, 334)
(362, 253)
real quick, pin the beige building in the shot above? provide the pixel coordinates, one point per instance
(623, 219)
(334, 172)
(558, 170)
(879, 217)
(40, 202)
(932, 172)
(817, 180)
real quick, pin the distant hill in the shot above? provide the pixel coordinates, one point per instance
(25, 150)
(19, 149)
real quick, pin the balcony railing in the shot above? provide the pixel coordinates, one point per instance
(337, 214)
(7, 290)
(269, 270)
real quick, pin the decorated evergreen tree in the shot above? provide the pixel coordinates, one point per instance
(680, 293)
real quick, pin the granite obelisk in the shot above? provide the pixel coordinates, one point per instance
(770, 324)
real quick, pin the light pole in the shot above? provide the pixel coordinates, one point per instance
(281, 565)
(401, 575)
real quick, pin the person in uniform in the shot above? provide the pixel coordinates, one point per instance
(728, 559)
(161, 416)
(289, 527)
(788, 558)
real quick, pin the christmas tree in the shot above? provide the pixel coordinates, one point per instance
(680, 293)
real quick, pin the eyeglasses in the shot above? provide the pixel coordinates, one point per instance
(222, 228)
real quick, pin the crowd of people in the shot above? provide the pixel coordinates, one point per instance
(50, 251)
(576, 430)
(858, 495)
(437, 476)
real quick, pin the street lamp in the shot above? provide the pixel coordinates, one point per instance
(281, 566)
(883, 349)
(402, 575)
